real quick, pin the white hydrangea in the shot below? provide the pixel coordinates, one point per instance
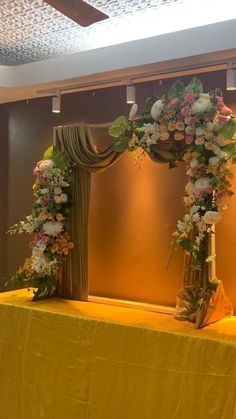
(201, 105)
(202, 183)
(52, 228)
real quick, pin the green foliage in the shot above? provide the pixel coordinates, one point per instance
(119, 127)
(121, 144)
(186, 244)
(195, 86)
(228, 130)
(60, 158)
(176, 90)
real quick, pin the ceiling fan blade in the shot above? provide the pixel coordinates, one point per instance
(79, 11)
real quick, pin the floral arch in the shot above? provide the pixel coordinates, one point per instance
(186, 125)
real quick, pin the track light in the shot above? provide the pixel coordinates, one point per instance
(231, 77)
(56, 103)
(130, 93)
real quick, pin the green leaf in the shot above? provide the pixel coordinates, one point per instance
(230, 148)
(195, 86)
(211, 258)
(228, 130)
(121, 144)
(118, 127)
(176, 90)
(186, 244)
(49, 153)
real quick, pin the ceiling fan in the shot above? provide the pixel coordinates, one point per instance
(78, 10)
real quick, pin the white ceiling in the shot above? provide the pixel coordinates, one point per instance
(31, 30)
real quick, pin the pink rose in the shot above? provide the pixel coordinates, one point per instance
(179, 118)
(185, 111)
(193, 120)
(189, 139)
(189, 97)
(222, 119)
(173, 102)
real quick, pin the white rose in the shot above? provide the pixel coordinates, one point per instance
(211, 217)
(64, 198)
(57, 191)
(213, 161)
(189, 130)
(46, 165)
(187, 120)
(44, 191)
(193, 163)
(133, 111)
(52, 228)
(156, 110)
(201, 105)
(200, 131)
(202, 183)
(57, 199)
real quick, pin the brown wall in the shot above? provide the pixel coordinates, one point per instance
(133, 211)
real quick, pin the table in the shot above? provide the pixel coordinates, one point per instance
(63, 359)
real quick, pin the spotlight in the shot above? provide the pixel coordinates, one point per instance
(130, 93)
(231, 77)
(56, 103)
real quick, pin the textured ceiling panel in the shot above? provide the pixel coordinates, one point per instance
(31, 30)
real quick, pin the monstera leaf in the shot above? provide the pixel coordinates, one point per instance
(195, 86)
(118, 127)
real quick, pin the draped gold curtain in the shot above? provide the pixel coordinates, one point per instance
(77, 140)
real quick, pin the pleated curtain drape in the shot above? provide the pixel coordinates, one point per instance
(78, 141)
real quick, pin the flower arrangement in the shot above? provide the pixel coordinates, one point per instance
(189, 125)
(48, 224)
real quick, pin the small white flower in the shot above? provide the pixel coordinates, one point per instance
(133, 111)
(213, 161)
(211, 217)
(57, 191)
(189, 188)
(200, 131)
(44, 191)
(57, 199)
(193, 163)
(210, 126)
(189, 130)
(187, 120)
(156, 110)
(52, 228)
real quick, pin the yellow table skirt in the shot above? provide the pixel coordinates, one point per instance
(75, 360)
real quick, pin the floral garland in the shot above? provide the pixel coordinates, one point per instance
(48, 223)
(188, 125)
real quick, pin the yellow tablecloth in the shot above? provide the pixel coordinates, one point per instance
(75, 360)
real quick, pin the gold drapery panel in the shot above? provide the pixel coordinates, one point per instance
(78, 141)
